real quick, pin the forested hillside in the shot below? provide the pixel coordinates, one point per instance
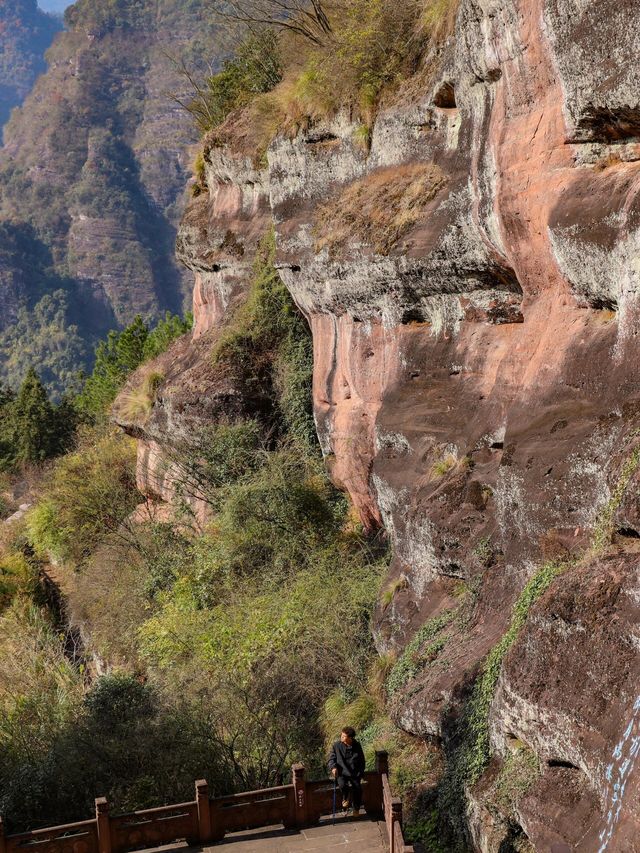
(25, 34)
(92, 177)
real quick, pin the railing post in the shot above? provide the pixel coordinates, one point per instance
(300, 794)
(382, 769)
(396, 817)
(382, 762)
(3, 840)
(103, 825)
(204, 811)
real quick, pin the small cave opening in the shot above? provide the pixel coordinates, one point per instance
(604, 304)
(412, 315)
(321, 138)
(602, 124)
(628, 532)
(497, 445)
(445, 96)
(559, 762)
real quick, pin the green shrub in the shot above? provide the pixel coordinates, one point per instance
(268, 344)
(255, 69)
(86, 498)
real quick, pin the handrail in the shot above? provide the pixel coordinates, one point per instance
(392, 807)
(207, 819)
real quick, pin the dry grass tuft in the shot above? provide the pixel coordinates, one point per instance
(380, 208)
(135, 404)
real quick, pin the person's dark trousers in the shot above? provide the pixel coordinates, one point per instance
(348, 782)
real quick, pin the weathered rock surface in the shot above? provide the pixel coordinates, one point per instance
(475, 380)
(218, 239)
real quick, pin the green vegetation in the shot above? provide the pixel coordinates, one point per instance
(32, 428)
(352, 54)
(86, 498)
(518, 772)
(254, 69)
(213, 614)
(121, 354)
(604, 527)
(421, 651)
(268, 346)
(472, 753)
(477, 757)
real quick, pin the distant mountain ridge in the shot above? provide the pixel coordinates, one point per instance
(92, 178)
(26, 32)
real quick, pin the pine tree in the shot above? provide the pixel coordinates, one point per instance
(32, 422)
(116, 357)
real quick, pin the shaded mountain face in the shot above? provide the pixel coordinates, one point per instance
(92, 177)
(26, 32)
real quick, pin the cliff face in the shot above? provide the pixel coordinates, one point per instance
(25, 34)
(471, 282)
(94, 167)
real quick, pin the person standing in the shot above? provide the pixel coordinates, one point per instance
(346, 765)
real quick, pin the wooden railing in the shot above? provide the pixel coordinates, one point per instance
(207, 819)
(393, 818)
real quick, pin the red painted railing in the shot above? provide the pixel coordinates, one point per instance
(207, 819)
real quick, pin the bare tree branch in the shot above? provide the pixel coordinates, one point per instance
(306, 18)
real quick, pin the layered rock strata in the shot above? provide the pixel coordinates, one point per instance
(475, 386)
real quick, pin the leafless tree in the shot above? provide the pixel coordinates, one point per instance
(307, 18)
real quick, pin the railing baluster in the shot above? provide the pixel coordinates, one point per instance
(204, 811)
(103, 824)
(300, 794)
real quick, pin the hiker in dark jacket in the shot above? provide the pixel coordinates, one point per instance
(346, 764)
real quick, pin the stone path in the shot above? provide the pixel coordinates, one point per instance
(353, 836)
(359, 835)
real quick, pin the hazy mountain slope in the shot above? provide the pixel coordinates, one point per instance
(25, 34)
(93, 171)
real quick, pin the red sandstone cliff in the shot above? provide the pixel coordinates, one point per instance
(475, 379)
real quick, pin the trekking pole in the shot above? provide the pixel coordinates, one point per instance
(335, 788)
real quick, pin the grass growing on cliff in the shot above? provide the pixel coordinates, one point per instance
(367, 49)
(268, 344)
(604, 527)
(422, 649)
(472, 753)
(378, 209)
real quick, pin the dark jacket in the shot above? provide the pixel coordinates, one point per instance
(349, 760)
